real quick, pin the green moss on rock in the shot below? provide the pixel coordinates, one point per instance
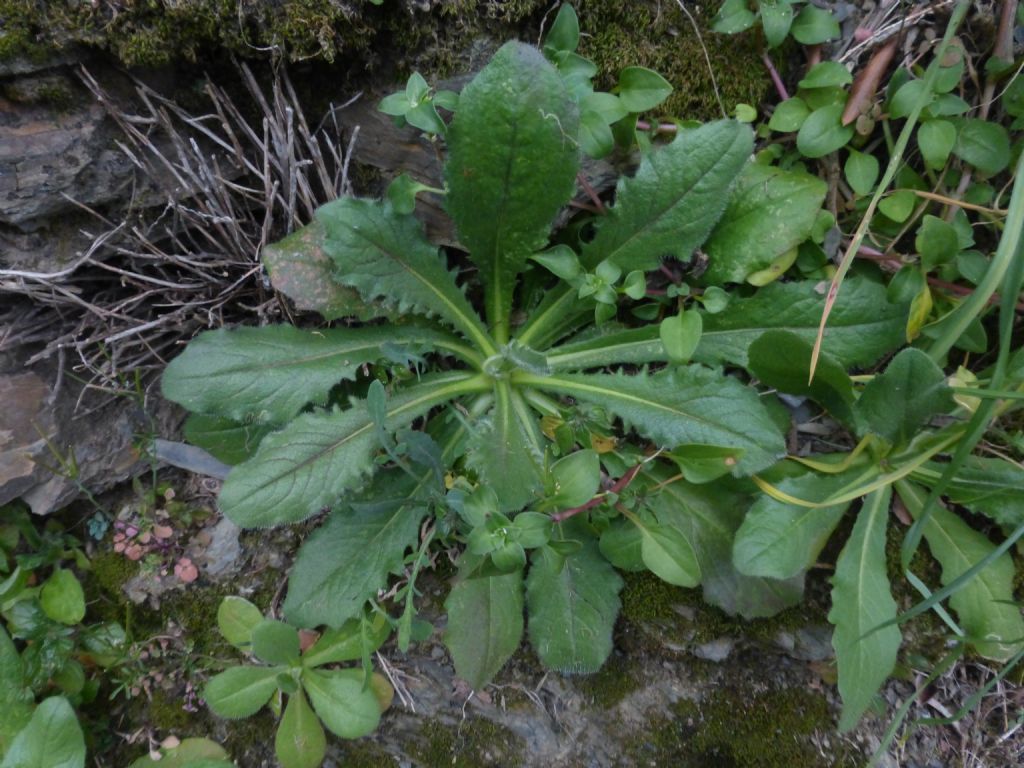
(474, 742)
(607, 687)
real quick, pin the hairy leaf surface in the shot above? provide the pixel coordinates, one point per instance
(345, 706)
(782, 540)
(770, 211)
(485, 625)
(670, 205)
(345, 561)
(860, 602)
(610, 346)
(863, 326)
(688, 405)
(52, 739)
(386, 257)
(512, 161)
(573, 606)
(269, 374)
(241, 691)
(300, 741)
(311, 462)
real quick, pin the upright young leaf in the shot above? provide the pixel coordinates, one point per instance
(782, 540)
(386, 257)
(573, 605)
(345, 561)
(860, 602)
(485, 625)
(269, 374)
(691, 405)
(896, 403)
(52, 739)
(310, 463)
(512, 161)
(770, 211)
(863, 326)
(675, 198)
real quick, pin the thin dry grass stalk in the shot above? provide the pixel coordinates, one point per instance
(215, 188)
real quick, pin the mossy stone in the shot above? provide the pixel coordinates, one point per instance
(474, 742)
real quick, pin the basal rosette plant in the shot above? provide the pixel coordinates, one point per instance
(518, 400)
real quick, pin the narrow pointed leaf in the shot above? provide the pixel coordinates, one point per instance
(345, 706)
(860, 602)
(573, 606)
(991, 487)
(269, 374)
(241, 691)
(611, 346)
(345, 561)
(485, 625)
(782, 540)
(386, 257)
(691, 405)
(300, 740)
(514, 119)
(668, 554)
(863, 326)
(310, 463)
(675, 198)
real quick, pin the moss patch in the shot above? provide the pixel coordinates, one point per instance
(475, 742)
(658, 35)
(733, 729)
(618, 678)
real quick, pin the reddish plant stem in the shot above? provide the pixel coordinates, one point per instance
(591, 193)
(643, 125)
(616, 487)
(780, 87)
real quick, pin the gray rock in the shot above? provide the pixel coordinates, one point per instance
(716, 650)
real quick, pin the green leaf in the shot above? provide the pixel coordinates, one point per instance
(814, 25)
(402, 191)
(485, 625)
(863, 325)
(860, 602)
(62, 598)
(576, 478)
(984, 145)
(861, 172)
(897, 402)
(898, 205)
(514, 118)
(505, 451)
(780, 540)
(826, 75)
(673, 201)
(708, 515)
(789, 115)
(935, 139)
(607, 105)
(227, 440)
(990, 487)
(770, 212)
(311, 462)
(190, 753)
(610, 345)
(347, 707)
(269, 374)
(16, 701)
(782, 360)
(274, 642)
(301, 270)
(241, 691)
(564, 34)
(907, 97)
(667, 553)
(936, 242)
(680, 335)
(573, 605)
(300, 741)
(596, 138)
(622, 545)
(733, 16)
(349, 642)
(345, 561)
(776, 18)
(560, 260)
(385, 256)
(52, 739)
(985, 605)
(236, 619)
(823, 132)
(690, 405)
(642, 89)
